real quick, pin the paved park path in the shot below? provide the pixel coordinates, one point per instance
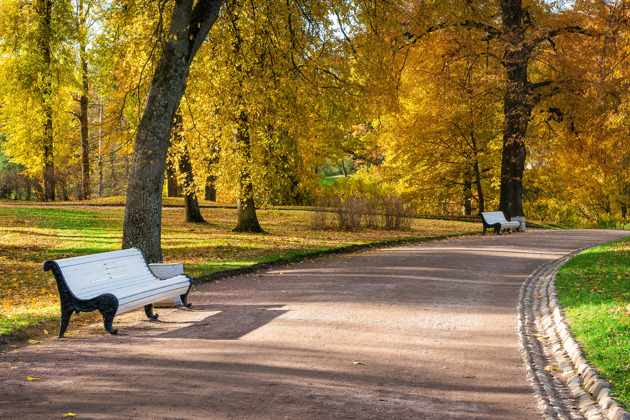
(415, 332)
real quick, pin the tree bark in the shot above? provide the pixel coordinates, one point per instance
(246, 208)
(193, 213)
(477, 172)
(45, 12)
(171, 180)
(211, 189)
(100, 148)
(480, 198)
(624, 204)
(190, 24)
(517, 108)
(85, 144)
(467, 196)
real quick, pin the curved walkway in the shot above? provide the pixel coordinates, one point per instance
(417, 332)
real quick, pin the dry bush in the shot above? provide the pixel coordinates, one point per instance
(320, 214)
(395, 213)
(355, 212)
(350, 212)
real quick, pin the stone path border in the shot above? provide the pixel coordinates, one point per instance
(566, 386)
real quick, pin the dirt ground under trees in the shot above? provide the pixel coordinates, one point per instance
(416, 332)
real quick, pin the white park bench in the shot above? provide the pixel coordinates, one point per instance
(112, 283)
(496, 220)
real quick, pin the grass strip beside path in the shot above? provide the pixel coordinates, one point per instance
(594, 290)
(31, 234)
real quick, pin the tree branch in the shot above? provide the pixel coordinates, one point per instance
(203, 16)
(552, 33)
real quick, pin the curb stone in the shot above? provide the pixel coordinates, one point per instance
(566, 386)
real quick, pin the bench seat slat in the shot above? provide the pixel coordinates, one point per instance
(137, 300)
(124, 293)
(123, 289)
(80, 270)
(96, 289)
(111, 282)
(112, 255)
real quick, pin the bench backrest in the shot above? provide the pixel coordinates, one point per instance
(492, 217)
(91, 275)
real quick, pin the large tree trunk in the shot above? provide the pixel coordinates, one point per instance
(480, 198)
(193, 213)
(143, 212)
(100, 148)
(517, 108)
(246, 208)
(211, 188)
(477, 172)
(467, 195)
(171, 180)
(45, 12)
(85, 145)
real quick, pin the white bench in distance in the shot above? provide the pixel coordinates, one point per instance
(112, 283)
(496, 220)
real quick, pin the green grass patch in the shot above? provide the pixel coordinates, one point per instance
(594, 290)
(31, 234)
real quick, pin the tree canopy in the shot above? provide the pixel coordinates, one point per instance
(458, 106)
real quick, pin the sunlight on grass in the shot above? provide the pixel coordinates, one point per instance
(594, 292)
(31, 234)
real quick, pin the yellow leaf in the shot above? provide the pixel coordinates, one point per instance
(34, 341)
(13, 367)
(46, 332)
(549, 368)
(29, 378)
(357, 363)
(69, 415)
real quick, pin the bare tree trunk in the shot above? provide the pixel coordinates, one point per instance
(193, 213)
(190, 24)
(100, 148)
(467, 195)
(517, 108)
(480, 198)
(211, 189)
(172, 189)
(624, 205)
(85, 144)
(477, 172)
(246, 208)
(45, 12)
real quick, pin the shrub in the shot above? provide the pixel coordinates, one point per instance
(354, 212)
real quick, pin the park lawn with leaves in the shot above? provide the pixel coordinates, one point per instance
(31, 234)
(594, 291)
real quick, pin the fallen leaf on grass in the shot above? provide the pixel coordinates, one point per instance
(30, 378)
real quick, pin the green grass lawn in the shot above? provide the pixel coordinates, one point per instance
(594, 290)
(31, 234)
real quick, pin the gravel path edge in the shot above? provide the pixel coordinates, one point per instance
(566, 386)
